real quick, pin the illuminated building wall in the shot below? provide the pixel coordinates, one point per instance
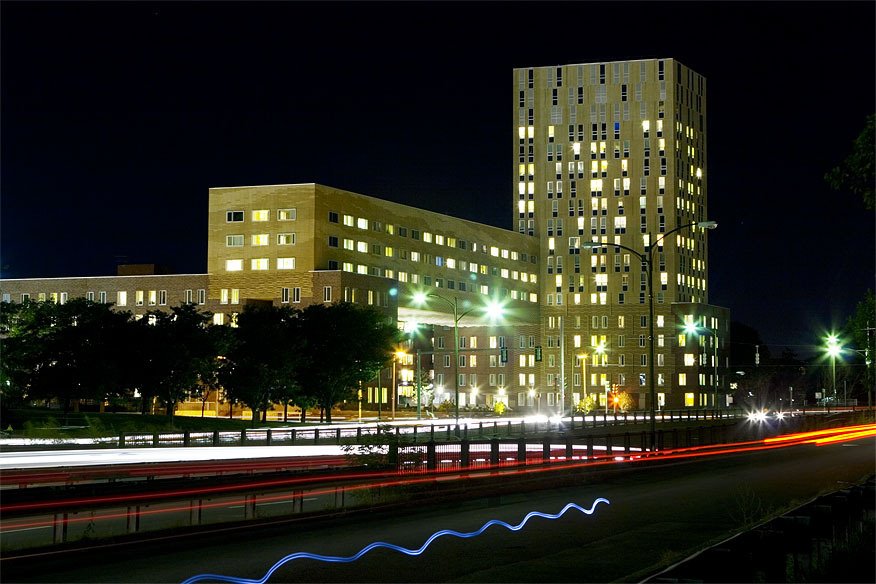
(616, 153)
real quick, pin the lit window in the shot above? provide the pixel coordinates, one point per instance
(285, 239)
(689, 399)
(260, 239)
(121, 298)
(362, 223)
(261, 215)
(285, 263)
(234, 241)
(233, 265)
(258, 264)
(138, 298)
(153, 297)
(218, 318)
(689, 360)
(362, 246)
(682, 380)
(287, 214)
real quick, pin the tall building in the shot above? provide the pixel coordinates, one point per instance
(611, 154)
(615, 153)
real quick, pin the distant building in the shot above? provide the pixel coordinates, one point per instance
(613, 153)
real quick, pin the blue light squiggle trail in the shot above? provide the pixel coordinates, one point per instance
(380, 544)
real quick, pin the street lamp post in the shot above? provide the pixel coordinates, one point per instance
(457, 316)
(646, 258)
(833, 349)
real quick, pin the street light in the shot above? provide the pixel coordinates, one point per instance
(399, 355)
(645, 258)
(833, 349)
(494, 310)
(413, 331)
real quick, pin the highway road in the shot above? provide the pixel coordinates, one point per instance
(657, 513)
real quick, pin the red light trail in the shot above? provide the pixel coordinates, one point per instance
(338, 480)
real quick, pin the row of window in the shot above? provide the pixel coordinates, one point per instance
(426, 280)
(260, 239)
(259, 264)
(141, 297)
(260, 215)
(620, 72)
(429, 237)
(438, 261)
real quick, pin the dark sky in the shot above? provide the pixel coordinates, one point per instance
(117, 118)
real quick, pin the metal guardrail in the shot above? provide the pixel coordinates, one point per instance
(416, 432)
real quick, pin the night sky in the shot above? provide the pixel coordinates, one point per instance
(118, 118)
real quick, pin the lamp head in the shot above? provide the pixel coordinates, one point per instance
(707, 224)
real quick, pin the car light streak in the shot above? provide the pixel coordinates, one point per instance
(201, 491)
(819, 438)
(821, 433)
(381, 544)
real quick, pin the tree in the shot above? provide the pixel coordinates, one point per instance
(343, 344)
(208, 377)
(860, 331)
(177, 350)
(587, 404)
(624, 401)
(857, 173)
(262, 358)
(68, 352)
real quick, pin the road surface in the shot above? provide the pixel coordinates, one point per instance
(656, 514)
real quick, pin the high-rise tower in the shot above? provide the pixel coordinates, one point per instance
(615, 153)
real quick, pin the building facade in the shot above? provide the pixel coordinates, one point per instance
(615, 153)
(604, 153)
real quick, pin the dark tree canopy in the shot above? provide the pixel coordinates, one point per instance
(344, 345)
(857, 172)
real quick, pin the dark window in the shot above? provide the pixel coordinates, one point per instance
(333, 217)
(333, 241)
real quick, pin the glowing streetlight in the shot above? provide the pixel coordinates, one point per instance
(833, 349)
(399, 356)
(646, 258)
(493, 310)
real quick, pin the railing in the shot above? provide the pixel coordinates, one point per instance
(416, 432)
